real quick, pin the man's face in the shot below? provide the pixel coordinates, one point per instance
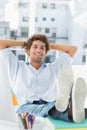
(37, 51)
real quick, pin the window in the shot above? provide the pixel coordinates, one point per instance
(52, 6)
(24, 31)
(21, 57)
(84, 58)
(14, 51)
(44, 5)
(47, 30)
(36, 19)
(13, 34)
(44, 18)
(53, 34)
(52, 19)
(25, 19)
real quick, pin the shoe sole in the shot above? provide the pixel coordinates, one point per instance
(65, 81)
(78, 100)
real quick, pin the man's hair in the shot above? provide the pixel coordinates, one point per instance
(35, 37)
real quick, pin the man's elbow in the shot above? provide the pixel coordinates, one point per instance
(73, 51)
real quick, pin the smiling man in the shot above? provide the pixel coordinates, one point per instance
(35, 85)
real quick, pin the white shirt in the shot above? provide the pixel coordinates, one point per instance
(30, 84)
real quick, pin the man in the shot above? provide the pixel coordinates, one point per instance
(36, 84)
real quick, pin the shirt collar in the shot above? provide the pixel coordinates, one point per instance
(43, 64)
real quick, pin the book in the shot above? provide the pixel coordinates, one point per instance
(63, 125)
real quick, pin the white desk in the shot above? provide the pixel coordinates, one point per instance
(9, 125)
(40, 124)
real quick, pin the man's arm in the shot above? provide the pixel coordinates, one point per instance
(70, 49)
(10, 43)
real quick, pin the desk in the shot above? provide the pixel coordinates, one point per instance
(40, 124)
(9, 125)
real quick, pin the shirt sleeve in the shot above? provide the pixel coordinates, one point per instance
(12, 63)
(61, 60)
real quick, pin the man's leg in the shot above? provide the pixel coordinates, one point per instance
(85, 112)
(55, 114)
(78, 99)
(65, 82)
(75, 110)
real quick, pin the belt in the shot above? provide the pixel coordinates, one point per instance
(38, 102)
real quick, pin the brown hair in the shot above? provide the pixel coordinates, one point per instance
(35, 37)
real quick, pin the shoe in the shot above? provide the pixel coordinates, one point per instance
(53, 113)
(78, 100)
(65, 83)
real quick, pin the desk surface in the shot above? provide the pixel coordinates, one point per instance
(8, 125)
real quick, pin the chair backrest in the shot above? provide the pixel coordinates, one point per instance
(7, 110)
